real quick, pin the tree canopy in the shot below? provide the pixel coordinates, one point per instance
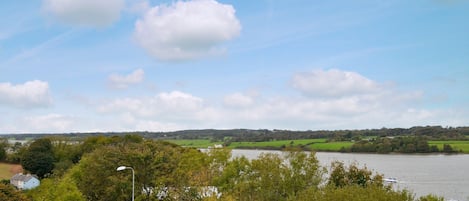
(165, 171)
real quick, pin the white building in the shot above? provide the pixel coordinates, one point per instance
(24, 182)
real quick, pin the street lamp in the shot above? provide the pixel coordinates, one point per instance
(120, 168)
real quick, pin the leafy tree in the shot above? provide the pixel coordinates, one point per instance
(57, 189)
(3, 149)
(7, 192)
(39, 157)
(303, 172)
(341, 176)
(269, 177)
(157, 165)
(448, 149)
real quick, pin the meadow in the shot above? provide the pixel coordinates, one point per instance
(8, 170)
(313, 144)
(193, 143)
(456, 145)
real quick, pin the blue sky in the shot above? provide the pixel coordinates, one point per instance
(127, 65)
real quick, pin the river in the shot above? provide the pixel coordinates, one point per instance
(442, 175)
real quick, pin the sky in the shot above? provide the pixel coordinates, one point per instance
(157, 65)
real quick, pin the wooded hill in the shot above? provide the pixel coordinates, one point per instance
(249, 135)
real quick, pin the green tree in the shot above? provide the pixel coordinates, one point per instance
(7, 192)
(270, 176)
(56, 189)
(303, 172)
(353, 175)
(158, 165)
(448, 149)
(39, 158)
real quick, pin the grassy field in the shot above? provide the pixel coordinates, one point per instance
(276, 143)
(313, 144)
(457, 145)
(8, 170)
(193, 143)
(330, 146)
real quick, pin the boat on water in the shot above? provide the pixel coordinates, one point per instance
(390, 180)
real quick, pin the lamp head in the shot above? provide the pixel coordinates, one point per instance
(121, 168)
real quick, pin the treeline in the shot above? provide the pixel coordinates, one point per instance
(249, 135)
(164, 171)
(406, 144)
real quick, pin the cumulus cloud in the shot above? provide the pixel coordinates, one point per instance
(48, 123)
(124, 81)
(157, 126)
(333, 83)
(175, 105)
(187, 29)
(84, 12)
(238, 100)
(353, 102)
(28, 95)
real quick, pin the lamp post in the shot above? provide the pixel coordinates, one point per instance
(120, 168)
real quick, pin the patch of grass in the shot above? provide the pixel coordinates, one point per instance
(456, 145)
(194, 143)
(313, 144)
(330, 146)
(275, 143)
(8, 170)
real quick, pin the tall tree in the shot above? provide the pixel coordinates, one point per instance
(39, 158)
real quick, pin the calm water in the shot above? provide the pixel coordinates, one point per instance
(443, 175)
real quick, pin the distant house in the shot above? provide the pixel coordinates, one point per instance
(24, 181)
(216, 146)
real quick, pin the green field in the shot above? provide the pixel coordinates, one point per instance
(313, 144)
(8, 170)
(457, 145)
(193, 143)
(274, 143)
(331, 146)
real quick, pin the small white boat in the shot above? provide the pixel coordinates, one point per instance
(390, 180)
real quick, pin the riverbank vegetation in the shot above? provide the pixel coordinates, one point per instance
(86, 170)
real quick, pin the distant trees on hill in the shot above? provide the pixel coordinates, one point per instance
(249, 135)
(406, 144)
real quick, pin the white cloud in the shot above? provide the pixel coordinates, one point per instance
(157, 126)
(175, 105)
(85, 12)
(187, 29)
(238, 100)
(164, 112)
(49, 123)
(168, 111)
(333, 83)
(28, 95)
(364, 104)
(123, 81)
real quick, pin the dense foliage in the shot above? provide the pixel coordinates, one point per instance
(9, 193)
(164, 171)
(39, 158)
(407, 144)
